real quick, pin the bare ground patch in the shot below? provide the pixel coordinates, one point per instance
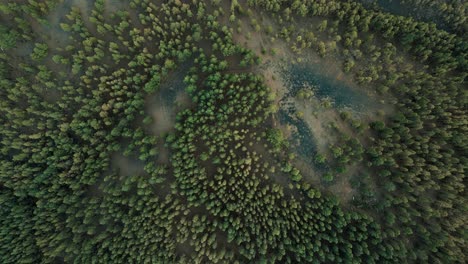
(127, 166)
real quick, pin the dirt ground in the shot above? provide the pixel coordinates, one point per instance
(127, 166)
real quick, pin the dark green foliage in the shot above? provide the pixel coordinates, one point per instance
(218, 187)
(8, 38)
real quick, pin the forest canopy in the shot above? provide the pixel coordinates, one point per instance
(243, 131)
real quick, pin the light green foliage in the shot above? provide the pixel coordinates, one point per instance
(320, 159)
(328, 177)
(276, 138)
(84, 177)
(305, 93)
(322, 26)
(40, 51)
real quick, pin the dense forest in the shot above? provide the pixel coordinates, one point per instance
(242, 131)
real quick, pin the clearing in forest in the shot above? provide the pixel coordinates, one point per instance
(311, 96)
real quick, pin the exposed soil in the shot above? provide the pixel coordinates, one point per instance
(127, 166)
(163, 117)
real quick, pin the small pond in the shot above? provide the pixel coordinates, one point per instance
(303, 140)
(326, 84)
(311, 76)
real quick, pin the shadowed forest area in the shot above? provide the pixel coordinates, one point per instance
(242, 131)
